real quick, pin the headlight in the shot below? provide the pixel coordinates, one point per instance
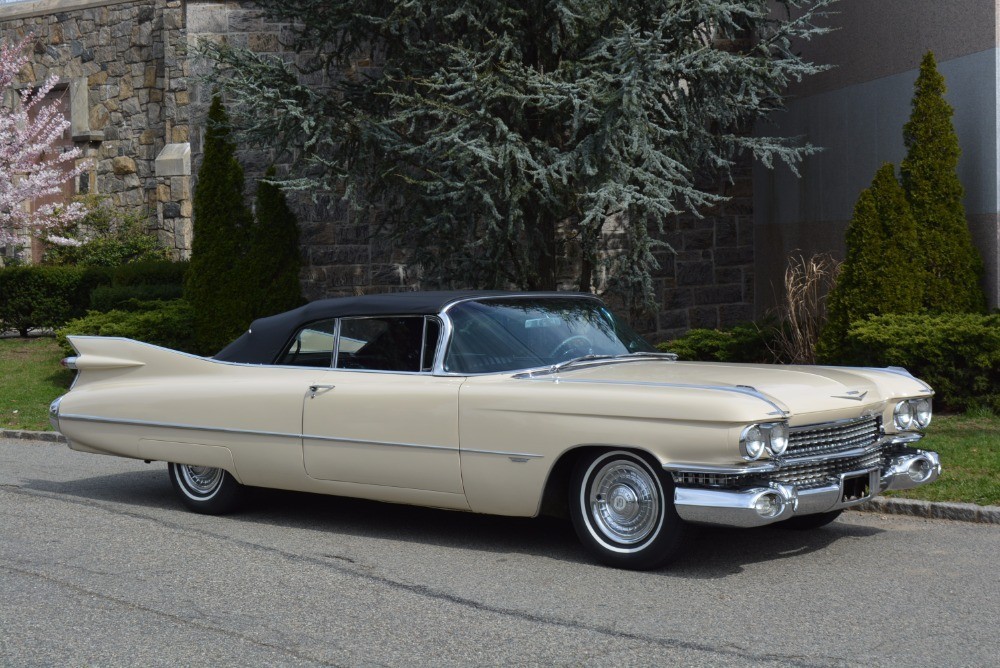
(903, 416)
(922, 412)
(778, 438)
(912, 414)
(752, 442)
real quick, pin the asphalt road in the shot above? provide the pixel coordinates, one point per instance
(99, 565)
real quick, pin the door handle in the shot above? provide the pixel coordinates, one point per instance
(313, 389)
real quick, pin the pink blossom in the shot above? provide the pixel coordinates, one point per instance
(28, 167)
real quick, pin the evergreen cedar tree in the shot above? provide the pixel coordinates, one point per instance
(882, 272)
(533, 144)
(934, 192)
(239, 270)
(273, 260)
(909, 249)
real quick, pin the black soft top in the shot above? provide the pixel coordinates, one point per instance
(267, 337)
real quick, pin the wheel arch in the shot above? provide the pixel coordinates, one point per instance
(555, 493)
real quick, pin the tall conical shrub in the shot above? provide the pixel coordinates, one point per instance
(215, 282)
(882, 272)
(934, 192)
(273, 261)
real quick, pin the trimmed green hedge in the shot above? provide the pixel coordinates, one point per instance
(957, 354)
(42, 296)
(163, 323)
(743, 343)
(33, 297)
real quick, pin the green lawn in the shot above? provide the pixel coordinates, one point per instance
(30, 378)
(969, 446)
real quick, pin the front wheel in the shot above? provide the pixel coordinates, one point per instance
(205, 489)
(622, 508)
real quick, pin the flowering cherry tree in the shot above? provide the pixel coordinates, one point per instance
(29, 169)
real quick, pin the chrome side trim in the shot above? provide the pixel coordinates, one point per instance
(501, 453)
(688, 467)
(388, 444)
(641, 383)
(170, 425)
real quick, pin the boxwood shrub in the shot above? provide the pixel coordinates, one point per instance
(958, 354)
(162, 323)
(747, 342)
(34, 297)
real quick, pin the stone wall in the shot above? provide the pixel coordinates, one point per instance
(708, 281)
(123, 65)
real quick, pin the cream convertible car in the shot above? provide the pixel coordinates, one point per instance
(503, 403)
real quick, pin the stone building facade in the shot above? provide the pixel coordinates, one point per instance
(139, 97)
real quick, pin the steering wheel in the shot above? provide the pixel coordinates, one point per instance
(571, 343)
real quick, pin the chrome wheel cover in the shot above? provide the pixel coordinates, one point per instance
(624, 502)
(200, 481)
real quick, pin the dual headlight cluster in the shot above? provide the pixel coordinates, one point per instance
(912, 414)
(757, 439)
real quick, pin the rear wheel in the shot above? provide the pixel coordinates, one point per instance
(815, 521)
(622, 508)
(205, 489)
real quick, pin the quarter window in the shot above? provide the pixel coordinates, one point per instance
(312, 346)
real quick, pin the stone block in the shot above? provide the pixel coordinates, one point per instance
(698, 239)
(163, 192)
(179, 135)
(734, 314)
(147, 137)
(98, 79)
(174, 160)
(730, 257)
(180, 187)
(694, 273)
(263, 42)
(202, 18)
(149, 76)
(703, 317)
(99, 117)
(122, 165)
(171, 210)
(718, 294)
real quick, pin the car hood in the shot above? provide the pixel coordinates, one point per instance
(794, 389)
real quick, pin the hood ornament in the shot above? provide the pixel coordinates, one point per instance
(856, 395)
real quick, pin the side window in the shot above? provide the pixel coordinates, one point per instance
(432, 330)
(312, 346)
(381, 344)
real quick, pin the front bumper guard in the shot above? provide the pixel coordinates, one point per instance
(762, 505)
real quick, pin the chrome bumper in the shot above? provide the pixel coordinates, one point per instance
(757, 506)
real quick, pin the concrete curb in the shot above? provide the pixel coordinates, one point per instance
(938, 510)
(47, 436)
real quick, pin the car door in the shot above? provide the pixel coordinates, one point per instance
(379, 417)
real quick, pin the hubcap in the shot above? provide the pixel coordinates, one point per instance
(624, 502)
(201, 480)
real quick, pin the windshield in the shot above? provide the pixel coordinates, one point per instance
(497, 335)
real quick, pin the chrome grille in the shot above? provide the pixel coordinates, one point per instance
(832, 438)
(829, 441)
(815, 473)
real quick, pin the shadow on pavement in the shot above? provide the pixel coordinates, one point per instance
(710, 552)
